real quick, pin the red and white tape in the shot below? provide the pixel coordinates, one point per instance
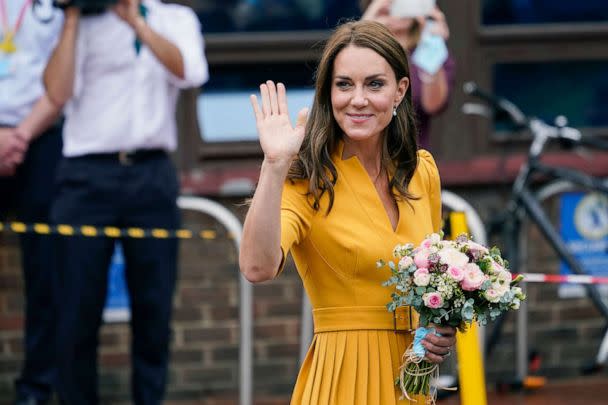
(564, 278)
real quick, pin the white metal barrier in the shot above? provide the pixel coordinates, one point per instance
(233, 225)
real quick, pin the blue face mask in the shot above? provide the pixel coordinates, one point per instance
(431, 52)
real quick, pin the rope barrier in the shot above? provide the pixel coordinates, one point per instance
(564, 278)
(92, 231)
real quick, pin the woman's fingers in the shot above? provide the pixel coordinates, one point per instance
(439, 346)
(256, 108)
(272, 92)
(282, 99)
(266, 109)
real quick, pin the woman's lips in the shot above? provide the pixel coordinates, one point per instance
(359, 118)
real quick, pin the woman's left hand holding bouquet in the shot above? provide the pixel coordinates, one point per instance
(439, 345)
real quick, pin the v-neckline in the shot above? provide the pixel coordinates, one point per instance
(354, 162)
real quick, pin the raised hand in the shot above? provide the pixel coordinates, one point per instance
(441, 26)
(280, 140)
(128, 10)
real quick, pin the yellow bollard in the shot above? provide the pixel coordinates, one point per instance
(471, 379)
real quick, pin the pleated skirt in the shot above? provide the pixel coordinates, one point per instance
(356, 367)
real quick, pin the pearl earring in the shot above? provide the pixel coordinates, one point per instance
(394, 111)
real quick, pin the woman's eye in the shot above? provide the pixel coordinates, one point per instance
(376, 84)
(342, 85)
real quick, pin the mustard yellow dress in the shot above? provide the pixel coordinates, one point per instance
(357, 346)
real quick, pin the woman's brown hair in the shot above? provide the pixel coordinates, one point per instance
(322, 133)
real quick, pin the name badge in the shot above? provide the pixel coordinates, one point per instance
(6, 69)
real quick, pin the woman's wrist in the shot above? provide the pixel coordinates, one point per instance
(427, 78)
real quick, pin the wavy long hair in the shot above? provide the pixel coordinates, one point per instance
(399, 151)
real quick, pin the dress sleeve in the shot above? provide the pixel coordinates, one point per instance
(434, 187)
(296, 216)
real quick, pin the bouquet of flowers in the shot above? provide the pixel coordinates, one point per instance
(448, 282)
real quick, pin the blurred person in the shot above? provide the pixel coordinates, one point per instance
(431, 92)
(119, 72)
(339, 191)
(30, 148)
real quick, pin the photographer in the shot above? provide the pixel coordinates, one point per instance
(119, 73)
(30, 148)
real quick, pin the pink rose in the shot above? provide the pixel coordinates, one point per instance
(433, 300)
(456, 273)
(422, 258)
(476, 247)
(473, 277)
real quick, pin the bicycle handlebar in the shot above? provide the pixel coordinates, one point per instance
(571, 136)
(498, 103)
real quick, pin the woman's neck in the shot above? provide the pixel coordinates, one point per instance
(369, 153)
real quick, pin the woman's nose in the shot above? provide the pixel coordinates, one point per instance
(359, 98)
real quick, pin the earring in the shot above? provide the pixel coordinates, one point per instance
(394, 111)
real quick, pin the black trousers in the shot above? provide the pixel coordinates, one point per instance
(104, 192)
(29, 195)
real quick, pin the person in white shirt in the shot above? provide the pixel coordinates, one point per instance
(118, 73)
(30, 148)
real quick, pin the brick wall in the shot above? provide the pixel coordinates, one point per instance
(204, 364)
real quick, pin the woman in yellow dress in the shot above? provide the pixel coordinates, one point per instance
(339, 191)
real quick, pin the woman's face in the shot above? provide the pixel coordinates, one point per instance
(364, 92)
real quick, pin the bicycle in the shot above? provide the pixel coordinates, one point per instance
(527, 205)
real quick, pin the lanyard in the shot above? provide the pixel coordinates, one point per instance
(7, 45)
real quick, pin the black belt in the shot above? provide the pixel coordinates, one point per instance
(125, 158)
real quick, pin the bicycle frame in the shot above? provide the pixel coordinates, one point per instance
(523, 201)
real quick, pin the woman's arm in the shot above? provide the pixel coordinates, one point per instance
(260, 254)
(436, 89)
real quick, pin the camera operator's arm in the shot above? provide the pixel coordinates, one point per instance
(60, 70)
(179, 47)
(44, 113)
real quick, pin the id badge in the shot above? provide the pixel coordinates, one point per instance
(6, 68)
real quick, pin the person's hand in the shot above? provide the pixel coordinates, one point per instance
(377, 9)
(380, 11)
(128, 11)
(441, 26)
(439, 347)
(279, 140)
(13, 146)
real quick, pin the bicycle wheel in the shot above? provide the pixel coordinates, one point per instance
(561, 320)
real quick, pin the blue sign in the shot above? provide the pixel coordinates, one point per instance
(584, 228)
(117, 300)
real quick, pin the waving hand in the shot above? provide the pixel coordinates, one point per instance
(280, 141)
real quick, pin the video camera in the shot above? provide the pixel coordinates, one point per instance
(86, 6)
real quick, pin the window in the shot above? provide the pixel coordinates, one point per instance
(219, 16)
(224, 110)
(575, 89)
(500, 12)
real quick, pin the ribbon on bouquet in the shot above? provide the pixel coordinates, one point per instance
(415, 368)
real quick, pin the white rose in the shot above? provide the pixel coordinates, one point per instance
(405, 263)
(422, 277)
(453, 257)
(492, 295)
